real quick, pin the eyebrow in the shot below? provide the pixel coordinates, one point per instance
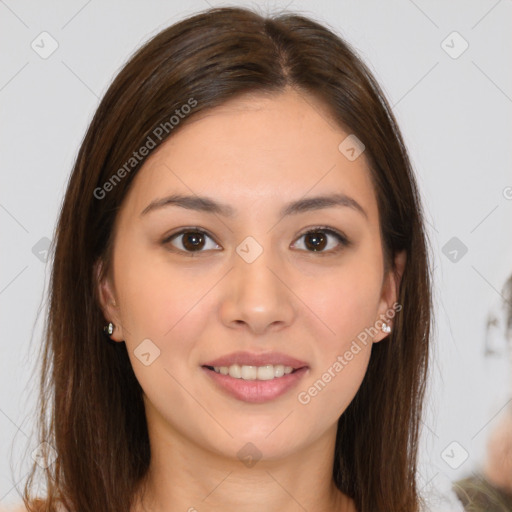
(208, 205)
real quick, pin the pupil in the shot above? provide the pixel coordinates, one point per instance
(317, 239)
(195, 240)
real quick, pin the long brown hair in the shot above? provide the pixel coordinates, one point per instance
(91, 409)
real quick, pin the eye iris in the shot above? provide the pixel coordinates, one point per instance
(318, 240)
(196, 240)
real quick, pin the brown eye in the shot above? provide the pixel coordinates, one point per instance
(317, 239)
(192, 240)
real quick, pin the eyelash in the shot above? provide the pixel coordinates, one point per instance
(342, 239)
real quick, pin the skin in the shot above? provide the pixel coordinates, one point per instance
(255, 153)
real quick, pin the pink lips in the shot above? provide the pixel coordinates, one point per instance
(256, 391)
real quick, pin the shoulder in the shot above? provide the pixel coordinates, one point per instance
(38, 505)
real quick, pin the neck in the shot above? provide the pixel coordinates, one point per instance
(186, 477)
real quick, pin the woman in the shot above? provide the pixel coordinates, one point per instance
(243, 223)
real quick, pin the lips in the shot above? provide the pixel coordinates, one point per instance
(251, 359)
(256, 378)
(256, 391)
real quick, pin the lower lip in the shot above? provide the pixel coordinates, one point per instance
(256, 391)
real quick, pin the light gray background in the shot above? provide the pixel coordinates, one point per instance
(455, 117)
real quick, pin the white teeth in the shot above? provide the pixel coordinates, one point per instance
(278, 370)
(249, 372)
(235, 371)
(267, 372)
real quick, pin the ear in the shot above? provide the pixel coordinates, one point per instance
(108, 302)
(389, 295)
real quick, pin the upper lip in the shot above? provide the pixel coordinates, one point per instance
(262, 359)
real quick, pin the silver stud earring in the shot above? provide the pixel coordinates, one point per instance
(109, 328)
(386, 328)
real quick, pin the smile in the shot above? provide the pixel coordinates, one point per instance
(249, 385)
(266, 372)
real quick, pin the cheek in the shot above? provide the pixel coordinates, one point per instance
(157, 296)
(343, 351)
(166, 304)
(331, 388)
(347, 301)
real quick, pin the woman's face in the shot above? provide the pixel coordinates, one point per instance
(244, 289)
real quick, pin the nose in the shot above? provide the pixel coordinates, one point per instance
(256, 296)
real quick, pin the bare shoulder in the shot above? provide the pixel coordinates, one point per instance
(39, 505)
(14, 508)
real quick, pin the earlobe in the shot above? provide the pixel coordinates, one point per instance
(390, 295)
(108, 304)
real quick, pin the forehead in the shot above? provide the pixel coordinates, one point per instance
(265, 149)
